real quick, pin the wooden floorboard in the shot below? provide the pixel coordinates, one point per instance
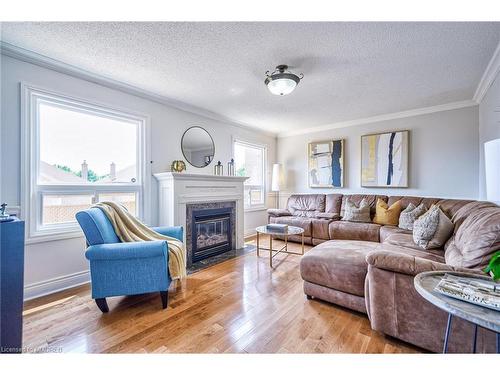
(238, 306)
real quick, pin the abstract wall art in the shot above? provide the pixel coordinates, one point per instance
(326, 164)
(384, 159)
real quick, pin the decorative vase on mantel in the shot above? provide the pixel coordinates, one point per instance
(230, 168)
(218, 169)
(178, 166)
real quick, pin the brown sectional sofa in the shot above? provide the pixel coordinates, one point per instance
(370, 268)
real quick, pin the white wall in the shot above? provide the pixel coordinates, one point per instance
(51, 265)
(489, 126)
(444, 155)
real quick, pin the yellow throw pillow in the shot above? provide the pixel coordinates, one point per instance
(385, 215)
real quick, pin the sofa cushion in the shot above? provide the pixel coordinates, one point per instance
(340, 265)
(476, 240)
(451, 206)
(278, 212)
(306, 205)
(410, 214)
(406, 240)
(357, 213)
(385, 215)
(345, 230)
(435, 255)
(432, 229)
(333, 203)
(462, 213)
(387, 230)
(301, 222)
(320, 229)
(357, 198)
(327, 216)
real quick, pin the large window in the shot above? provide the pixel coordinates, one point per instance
(79, 154)
(250, 161)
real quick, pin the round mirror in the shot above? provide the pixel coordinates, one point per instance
(197, 147)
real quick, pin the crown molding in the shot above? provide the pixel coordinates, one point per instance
(489, 76)
(31, 57)
(378, 118)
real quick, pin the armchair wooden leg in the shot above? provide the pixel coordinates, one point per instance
(164, 299)
(102, 304)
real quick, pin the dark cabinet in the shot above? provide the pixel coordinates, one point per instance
(11, 283)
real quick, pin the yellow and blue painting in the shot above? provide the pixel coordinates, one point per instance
(326, 164)
(384, 159)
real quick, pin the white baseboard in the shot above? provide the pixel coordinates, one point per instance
(56, 284)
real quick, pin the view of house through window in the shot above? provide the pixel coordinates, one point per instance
(80, 148)
(85, 155)
(249, 161)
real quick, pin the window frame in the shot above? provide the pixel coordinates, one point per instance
(32, 192)
(263, 147)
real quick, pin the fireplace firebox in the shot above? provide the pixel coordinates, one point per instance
(211, 232)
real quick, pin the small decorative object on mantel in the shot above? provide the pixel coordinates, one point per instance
(3, 216)
(230, 168)
(219, 169)
(178, 166)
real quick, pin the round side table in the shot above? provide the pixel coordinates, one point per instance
(425, 283)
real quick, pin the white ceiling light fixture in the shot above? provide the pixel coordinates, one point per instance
(281, 81)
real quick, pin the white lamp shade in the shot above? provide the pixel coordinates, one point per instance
(492, 169)
(276, 177)
(282, 86)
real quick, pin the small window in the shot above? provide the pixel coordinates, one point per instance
(249, 161)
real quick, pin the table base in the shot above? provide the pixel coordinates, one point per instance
(474, 342)
(282, 250)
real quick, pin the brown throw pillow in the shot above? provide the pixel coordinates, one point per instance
(355, 213)
(385, 215)
(432, 229)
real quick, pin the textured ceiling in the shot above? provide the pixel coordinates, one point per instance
(352, 70)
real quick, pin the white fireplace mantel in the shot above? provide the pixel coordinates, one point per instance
(177, 190)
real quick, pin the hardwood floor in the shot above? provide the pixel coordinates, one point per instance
(237, 306)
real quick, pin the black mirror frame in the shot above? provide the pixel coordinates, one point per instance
(213, 145)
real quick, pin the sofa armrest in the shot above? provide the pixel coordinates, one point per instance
(175, 232)
(278, 212)
(127, 250)
(408, 264)
(327, 216)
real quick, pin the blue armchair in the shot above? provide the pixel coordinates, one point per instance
(124, 268)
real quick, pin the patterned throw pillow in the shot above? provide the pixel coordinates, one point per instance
(386, 215)
(409, 215)
(355, 213)
(432, 229)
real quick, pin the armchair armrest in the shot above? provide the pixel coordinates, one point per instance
(127, 250)
(176, 232)
(327, 216)
(408, 264)
(278, 212)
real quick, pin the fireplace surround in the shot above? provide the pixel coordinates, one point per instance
(180, 193)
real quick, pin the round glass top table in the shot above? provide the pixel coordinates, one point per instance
(478, 315)
(291, 231)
